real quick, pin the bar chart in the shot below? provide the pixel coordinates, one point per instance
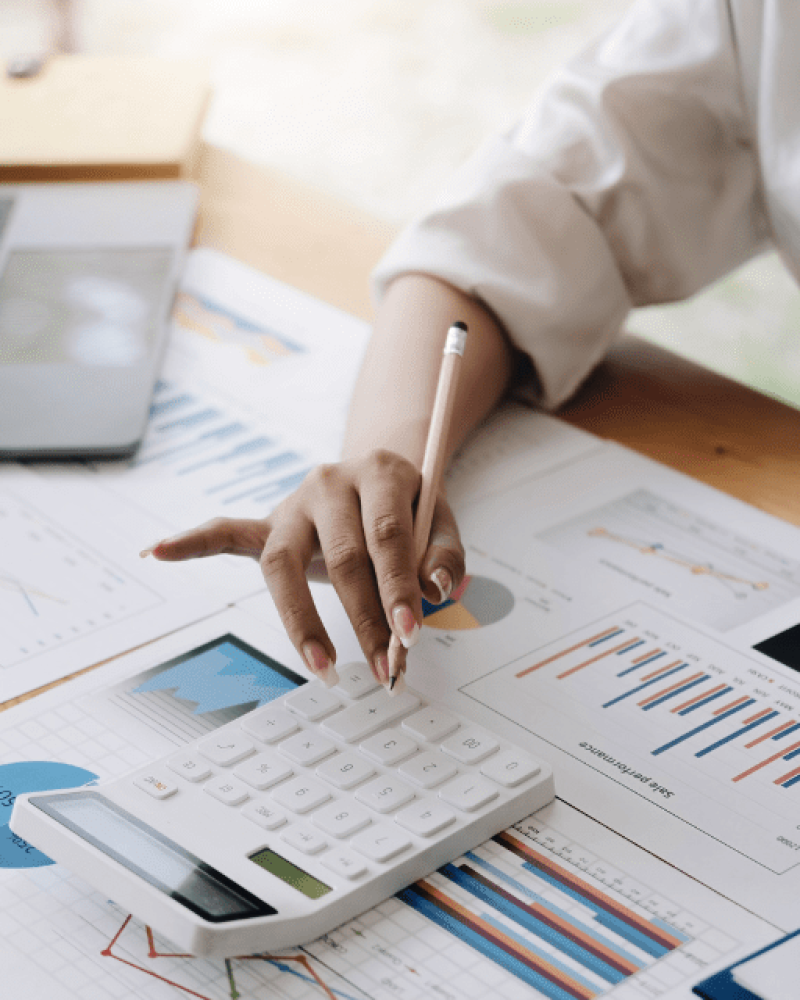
(672, 715)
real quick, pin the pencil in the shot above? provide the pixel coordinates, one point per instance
(434, 458)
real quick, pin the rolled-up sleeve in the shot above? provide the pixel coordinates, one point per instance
(633, 180)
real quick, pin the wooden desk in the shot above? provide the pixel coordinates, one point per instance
(642, 396)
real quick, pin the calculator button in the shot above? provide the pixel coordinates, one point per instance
(389, 747)
(431, 724)
(385, 794)
(470, 745)
(266, 816)
(270, 724)
(264, 770)
(156, 785)
(425, 818)
(380, 842)
(468, 793)
(340, 819)
(227, 790)
(307, 748)
(313, 702)
(304, 839)
(301, 795)
(190, 767)
(355, 680)
(375, 711)
(226, 748)
(428, 769)
(345, 864)
(346, 770)
(510, 769)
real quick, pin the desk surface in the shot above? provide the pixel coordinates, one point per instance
(642, 396)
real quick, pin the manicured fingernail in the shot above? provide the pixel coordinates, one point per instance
(405, 625)
(444, 583)
(381, 662)
(150, 549)
(320, 664)
(399, 684)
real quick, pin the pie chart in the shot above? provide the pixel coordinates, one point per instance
(478, 602)
(31, 776)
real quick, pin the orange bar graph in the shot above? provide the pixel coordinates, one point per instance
(504, 942)
(698, 697)
(756, 717)
(672, 687)
(769, 760)
(566, 652)
(786, 777)
(646, 656)
(661, 670)
(594, 659)
(730, 705)
(770, 734)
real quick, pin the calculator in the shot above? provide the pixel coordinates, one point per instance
(292, 819)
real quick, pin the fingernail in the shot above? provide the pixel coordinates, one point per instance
(320, 664)
(444, 583)
(150, 549)
(405, 625)
(399, 684)
(381, 662)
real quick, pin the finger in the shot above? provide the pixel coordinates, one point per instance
(238, 537)
(443, 565)
(388, 520)
(283, 563)
(341, 538)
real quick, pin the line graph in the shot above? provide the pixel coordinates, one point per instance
(718, 577)
(658, 550)
(75, 591)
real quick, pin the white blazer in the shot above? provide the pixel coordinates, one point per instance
(665, 155)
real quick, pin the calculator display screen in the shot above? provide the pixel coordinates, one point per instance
(149, 854)
(290, 874)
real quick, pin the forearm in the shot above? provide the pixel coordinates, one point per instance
(394, 394)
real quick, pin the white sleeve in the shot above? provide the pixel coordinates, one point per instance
(633, 180)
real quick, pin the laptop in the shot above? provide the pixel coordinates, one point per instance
(88, 276)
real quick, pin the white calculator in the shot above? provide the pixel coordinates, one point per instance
(291, 820)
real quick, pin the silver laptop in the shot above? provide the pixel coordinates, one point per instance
(88, 274)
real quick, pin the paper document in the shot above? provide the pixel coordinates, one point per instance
(73, 590)
(640, 630)
(557, 907)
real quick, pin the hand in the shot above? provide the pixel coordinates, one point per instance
(359, 514)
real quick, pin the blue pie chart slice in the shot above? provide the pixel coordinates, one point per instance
(31, 776)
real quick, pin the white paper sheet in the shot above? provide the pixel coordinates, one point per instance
(61, 939)
(684, 580)
(73, 590)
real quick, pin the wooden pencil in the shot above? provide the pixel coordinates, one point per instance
(434, 458)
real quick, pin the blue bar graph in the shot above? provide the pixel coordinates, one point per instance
(645, 684)
(641, 663)
(705, 701)
(791, 729)
(705, 725)
(605, 638)
(736, 735)
(676, 693)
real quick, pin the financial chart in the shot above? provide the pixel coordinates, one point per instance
(54, 587)
(673, 716)
(539, 911)
(723, 579)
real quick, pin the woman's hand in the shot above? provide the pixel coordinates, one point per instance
(359, 514)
